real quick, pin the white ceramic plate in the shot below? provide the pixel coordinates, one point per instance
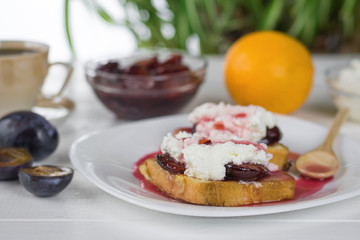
(106, 158)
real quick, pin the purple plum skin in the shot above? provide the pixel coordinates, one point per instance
(29, 130)
(44, 186)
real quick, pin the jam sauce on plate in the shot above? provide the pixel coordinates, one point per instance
(144, 183)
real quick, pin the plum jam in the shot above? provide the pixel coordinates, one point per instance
(148, 87)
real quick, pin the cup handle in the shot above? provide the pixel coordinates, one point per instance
(69, 68)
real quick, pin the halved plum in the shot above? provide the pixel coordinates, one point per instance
(245, 172)
(45, 180)
(169, 163)
(273, 135)
(11, 160)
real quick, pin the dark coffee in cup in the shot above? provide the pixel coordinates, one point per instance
(7, 52)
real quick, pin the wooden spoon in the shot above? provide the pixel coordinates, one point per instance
(321, 162)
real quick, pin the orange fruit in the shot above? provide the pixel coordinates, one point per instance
(270, 69)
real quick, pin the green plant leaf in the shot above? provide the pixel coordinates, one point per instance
(104, 15)
(255, 7)
(302, 13)
(228, 9)
(67, 27)
(272, 15)
(311, 25)
(324, 12)
(211, 8)
(347, 17)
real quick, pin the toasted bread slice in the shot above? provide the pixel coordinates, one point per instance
(275, 187)
(280, 155)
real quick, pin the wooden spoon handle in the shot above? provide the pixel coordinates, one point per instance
(334, 129)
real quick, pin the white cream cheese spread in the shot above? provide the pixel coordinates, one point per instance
(223, 122)
(208, 162)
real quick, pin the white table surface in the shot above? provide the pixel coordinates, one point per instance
(82, 211)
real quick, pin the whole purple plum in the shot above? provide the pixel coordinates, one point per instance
(28, 130)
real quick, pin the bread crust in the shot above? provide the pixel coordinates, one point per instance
(277, 186)
(280, 155)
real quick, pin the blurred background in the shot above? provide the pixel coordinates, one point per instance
(43, 20)
(322, 25)
(103, 27)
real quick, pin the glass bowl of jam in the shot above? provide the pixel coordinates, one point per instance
(147, 84)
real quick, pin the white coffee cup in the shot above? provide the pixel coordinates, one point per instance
(23, 70)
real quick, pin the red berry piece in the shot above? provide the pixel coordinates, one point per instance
(184, 129)
(219, 126)
(205, 141)
(240, 115)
